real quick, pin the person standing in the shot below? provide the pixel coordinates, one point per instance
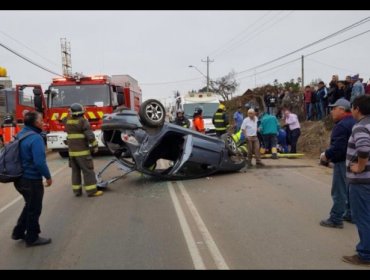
(336, 153)
(30, 186)
(220, 120)
(358, 176)
(181, 120)
(79, 136)
(198, 122)
(291, 120)
(249, 128)
(238, 119)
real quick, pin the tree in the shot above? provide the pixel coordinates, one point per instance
(225, 86)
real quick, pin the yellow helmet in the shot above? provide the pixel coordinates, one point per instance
(222, 107)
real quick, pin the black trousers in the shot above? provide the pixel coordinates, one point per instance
(294, 135)
(28, 222)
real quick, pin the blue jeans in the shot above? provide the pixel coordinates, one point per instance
(359, 196)
(308, 111)
(339, 193)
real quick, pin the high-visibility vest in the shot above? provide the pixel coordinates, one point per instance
(9, 131)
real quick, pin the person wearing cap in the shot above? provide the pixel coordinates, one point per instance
(357, 88)
(336, 153)
(358, 176)
(220, 120)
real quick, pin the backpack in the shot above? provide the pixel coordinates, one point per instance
(10, 162)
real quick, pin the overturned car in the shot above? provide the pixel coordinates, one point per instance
(139, 141)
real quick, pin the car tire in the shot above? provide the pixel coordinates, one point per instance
(152, 113)
(230, 144)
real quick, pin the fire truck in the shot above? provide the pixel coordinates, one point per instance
(15, 103)
(98, 94)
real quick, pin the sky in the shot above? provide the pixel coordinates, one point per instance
(157, 47)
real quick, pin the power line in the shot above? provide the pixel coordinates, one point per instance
(29, 60)
(7, 35)
(311, 44)
(329, 65)
(291, 61)
(257, 32)
(239, 34)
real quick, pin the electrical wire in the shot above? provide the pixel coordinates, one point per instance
(29, 60)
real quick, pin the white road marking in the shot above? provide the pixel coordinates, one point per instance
(192, 246)
(215, 252)
(20, 197)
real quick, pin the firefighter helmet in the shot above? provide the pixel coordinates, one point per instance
(222, 107)
(77, 109)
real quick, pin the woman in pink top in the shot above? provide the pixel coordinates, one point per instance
(293, 131)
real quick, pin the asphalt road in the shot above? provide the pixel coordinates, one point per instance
(266, 218)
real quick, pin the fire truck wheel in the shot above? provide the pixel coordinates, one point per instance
(152, 113)
(64, 154)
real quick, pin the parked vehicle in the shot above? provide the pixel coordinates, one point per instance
(139, 141)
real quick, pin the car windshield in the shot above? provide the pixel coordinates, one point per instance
(63, 96)
(208, 109)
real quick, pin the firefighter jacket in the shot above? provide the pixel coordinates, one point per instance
(79, 136)
(220, 120)
(184, 122)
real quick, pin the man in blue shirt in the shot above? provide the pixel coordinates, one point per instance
(30, 186)
(238, 119)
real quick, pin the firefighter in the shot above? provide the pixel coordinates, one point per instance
(181, 120)
(79, 137)
(220, 120)
(9, 128)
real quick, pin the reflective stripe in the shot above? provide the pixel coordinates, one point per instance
(220, 128)
(91, 115)
(54, 116)
(78, 113)
(64, 115)
(219, 120)
(76, 187)
(79, 153)
(76, 136)
(73, 121)
(90, 188)
(95, 143)
(100, 113)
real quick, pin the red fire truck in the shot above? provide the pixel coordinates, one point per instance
(98, 94)
(14, 103)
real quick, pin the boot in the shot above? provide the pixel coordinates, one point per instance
(97, 193)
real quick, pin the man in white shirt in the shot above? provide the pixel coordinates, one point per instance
(249, 129)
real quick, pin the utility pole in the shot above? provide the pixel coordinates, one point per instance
(208, 61)
(66, 57)
(302, 60)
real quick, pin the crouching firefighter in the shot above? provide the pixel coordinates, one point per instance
(79, 137)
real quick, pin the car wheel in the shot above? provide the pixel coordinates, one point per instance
(152, 113)
(230, 144)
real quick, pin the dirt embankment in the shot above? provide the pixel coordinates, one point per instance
(315, 138)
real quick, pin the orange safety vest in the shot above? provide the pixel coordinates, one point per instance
(198, 124)
(9, 130)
